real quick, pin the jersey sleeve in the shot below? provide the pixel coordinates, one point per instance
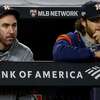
(64, 50)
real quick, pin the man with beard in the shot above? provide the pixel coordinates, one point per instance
(10, 48)
(84, 43)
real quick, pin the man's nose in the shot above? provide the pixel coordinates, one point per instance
(11, 29)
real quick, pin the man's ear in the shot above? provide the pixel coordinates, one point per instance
(83, 22)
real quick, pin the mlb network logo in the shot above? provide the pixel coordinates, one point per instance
(94, 72)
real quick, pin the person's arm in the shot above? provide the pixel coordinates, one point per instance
(63, 51)
(97, 54)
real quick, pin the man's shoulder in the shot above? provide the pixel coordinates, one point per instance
(73, 33)
(68, 36)
(22, 47)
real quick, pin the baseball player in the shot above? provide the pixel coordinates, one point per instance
(10, 48)
(84, 42)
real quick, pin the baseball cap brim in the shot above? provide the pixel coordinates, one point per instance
(94, 18)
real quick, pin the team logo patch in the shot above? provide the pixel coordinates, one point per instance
(6, 7)
(83, 13)
(97, 6)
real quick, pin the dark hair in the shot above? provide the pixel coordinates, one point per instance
(79, 27)
(4, 11)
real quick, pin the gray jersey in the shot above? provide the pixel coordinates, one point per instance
(17, 52)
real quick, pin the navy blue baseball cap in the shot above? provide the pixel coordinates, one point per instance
(7, 10)
(91, 10)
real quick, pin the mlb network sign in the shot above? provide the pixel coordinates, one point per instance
(54, 12)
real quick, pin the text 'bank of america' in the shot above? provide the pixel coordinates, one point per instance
(41, 74)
